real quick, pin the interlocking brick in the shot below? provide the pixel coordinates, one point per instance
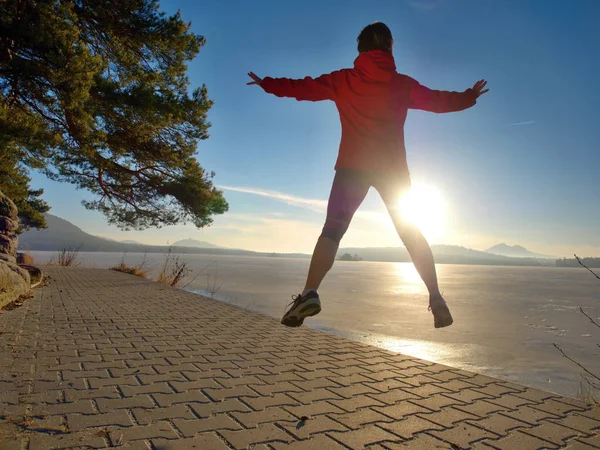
(139, 401)
(181, 397)
(314, 409)
(157, 378)
(353, 390)
(367, 435)
(303, 430)
(317, 383)
(97, 383)
(578, 422)
(43, 386)
(521, 441)
(421, 442)
(72, 375)
(85, 439)
(409, 426)
(511, 402)
(316, 442)
(251, 419)
(535, 395)
(81, 421)
(153, 431)
(259, 403)
(72, 395)
(270, 389)
(238, 391)
(81, 407)
(147, 416)
(185, 386)
(530, 415)
(463, 435)
(154, 388)
(263, 433)
(468, 396)
(356, 402)
(314, 395)
(388, 384)
(552, 432)
(447, 417)
(218, 422)
(557, 408)
(357, 419)
(428, 390)
(481, 408)
(499, 424)
(393, 396)
(208, 441)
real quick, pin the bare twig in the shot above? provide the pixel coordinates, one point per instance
(592, 272)
(575, 362)
(591, 320)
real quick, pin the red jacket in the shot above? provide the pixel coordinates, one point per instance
(373, 101)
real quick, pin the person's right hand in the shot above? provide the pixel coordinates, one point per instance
(255, 79)
(478, 88)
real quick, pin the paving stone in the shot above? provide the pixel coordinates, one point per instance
(263, 433)
(359, 439)
(355, 420)
(155, 430)
(82, 421)
(170, 369)
(218, 422)
(146, 416)
(204, 441)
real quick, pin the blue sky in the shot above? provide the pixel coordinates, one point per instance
(520, 167)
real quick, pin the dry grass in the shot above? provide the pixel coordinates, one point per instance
(67, 257)
(174, 271)
(139, 270)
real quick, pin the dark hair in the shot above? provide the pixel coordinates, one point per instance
(376, 36)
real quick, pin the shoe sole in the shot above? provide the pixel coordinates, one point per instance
(298, 320)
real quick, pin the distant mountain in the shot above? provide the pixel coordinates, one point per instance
(514, 251)
(194, 243)
(443, 254)
(129, 241)
(62, 234)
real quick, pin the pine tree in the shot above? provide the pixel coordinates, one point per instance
(95, 93)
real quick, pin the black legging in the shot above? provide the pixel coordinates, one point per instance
(350, 187)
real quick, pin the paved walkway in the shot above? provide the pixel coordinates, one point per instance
(102, 359)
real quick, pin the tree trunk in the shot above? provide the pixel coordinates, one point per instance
(9, 224)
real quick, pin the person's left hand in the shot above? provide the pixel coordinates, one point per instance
(256, 80)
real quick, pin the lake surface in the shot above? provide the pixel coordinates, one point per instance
(506, 318)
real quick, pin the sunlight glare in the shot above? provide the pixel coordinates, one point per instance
(424, 207)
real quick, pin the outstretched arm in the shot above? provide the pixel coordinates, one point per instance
(312, 89)
(427, 99)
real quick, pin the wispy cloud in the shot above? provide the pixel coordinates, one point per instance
(518, 124)
(310, 203)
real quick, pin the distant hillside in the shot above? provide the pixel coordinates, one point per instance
(443, 254)
(514, 251)
(194, 243)
(63, 234)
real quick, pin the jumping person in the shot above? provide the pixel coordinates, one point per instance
(373, 101)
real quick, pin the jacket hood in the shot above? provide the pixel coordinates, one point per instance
(376, 65)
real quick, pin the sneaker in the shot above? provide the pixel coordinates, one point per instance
(441, 314)
(303, 306)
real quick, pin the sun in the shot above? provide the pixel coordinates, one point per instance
(425, 207)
